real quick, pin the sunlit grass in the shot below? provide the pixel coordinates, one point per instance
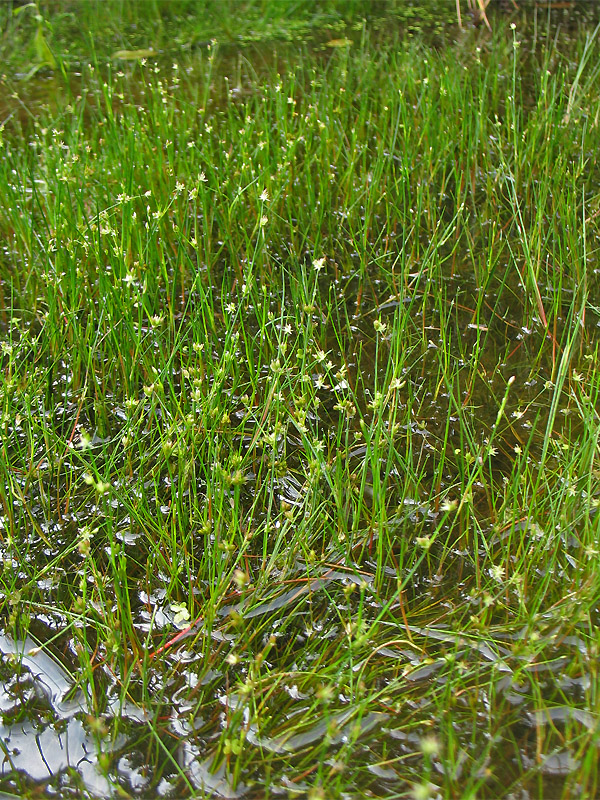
(301, 354)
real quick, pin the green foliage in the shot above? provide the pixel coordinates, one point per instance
(44, 57)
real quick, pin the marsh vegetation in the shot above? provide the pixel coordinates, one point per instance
(299, 404)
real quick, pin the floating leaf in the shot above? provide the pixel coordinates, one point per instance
(339, 43)
(132, 55)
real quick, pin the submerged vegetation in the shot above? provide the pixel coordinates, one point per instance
(299, 411)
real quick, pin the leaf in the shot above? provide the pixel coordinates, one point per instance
(339, 43)
(21, 9)
(43, 52)
(132, 55)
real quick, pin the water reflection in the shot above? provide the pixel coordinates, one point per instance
(42, 732)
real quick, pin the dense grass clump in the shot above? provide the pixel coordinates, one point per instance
(299, 404)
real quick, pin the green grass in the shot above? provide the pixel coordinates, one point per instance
(302, 345)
